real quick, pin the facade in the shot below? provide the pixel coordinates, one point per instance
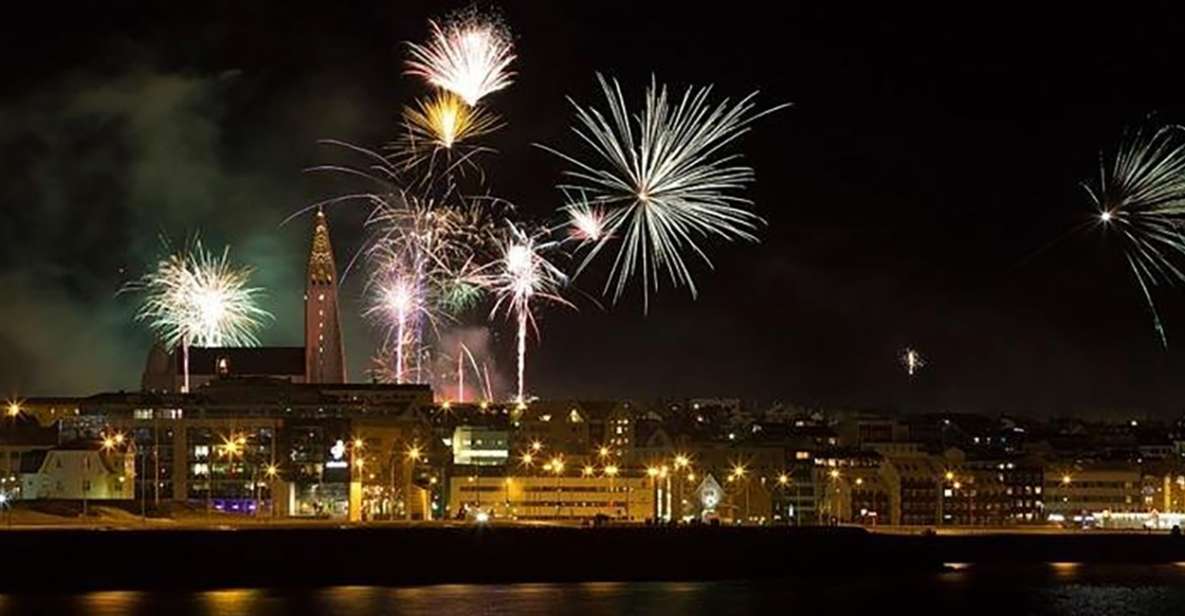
(212, 447)
(564, 498)
(913, 487)
(480, 446)
(325, 357)
(1093, 490)
(79, 471)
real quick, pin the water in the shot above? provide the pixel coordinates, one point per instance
(1049, 589)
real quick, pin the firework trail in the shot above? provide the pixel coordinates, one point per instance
(521, 274)
(196, 297)
(913, 361)
(666, 183)
(422, 269)
(1140, 195)
(469, 56)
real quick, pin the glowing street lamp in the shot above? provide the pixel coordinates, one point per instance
(14, 408)
(556, 465)
(783, 479)
(536, 445)
(412, 456)
(588, 471)
(603, 452)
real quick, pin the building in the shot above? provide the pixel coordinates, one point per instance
(82, 470)
(1082, 492)
(164, 373)
(554, 498)
(913, 486)
(213, 447)
(325, 356)
(480, 446)
(21, 437)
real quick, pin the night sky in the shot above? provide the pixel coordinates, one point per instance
(921, 192)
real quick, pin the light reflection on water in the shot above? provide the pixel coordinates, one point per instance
(1055, 588)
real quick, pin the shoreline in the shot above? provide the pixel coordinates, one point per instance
(132, 559)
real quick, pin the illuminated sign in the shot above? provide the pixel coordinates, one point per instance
(338, 451)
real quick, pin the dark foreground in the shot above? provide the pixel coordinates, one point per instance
(401, 556)
(1083, 590)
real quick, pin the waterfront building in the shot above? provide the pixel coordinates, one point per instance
(553, 498)
(83, 470)
(1080, 493)
(212, 447)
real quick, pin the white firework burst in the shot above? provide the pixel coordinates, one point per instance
(469, 56)
(1140, 195)
(664, 179)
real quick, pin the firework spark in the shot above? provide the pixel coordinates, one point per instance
(469, 57)
(196, 297)
(667, 182)
(523, 274)
(1141, 196)
(913, 361)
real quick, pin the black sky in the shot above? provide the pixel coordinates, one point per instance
(919, 193)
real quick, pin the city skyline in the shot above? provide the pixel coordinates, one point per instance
(905, 211)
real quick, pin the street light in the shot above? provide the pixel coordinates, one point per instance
(739, 471)
(557, 466)
(412, 455)
(14, 408)
(536, 445)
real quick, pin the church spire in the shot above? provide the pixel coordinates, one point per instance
(324, 352)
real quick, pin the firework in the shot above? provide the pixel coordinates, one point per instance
(586, 222)
(520, 275)
(440, 129)
(396, 303)
(913, 361)
(1140, 196)
(445, 120)
(469, 57)
(422, 269)
(195, 297)
(667, 183)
